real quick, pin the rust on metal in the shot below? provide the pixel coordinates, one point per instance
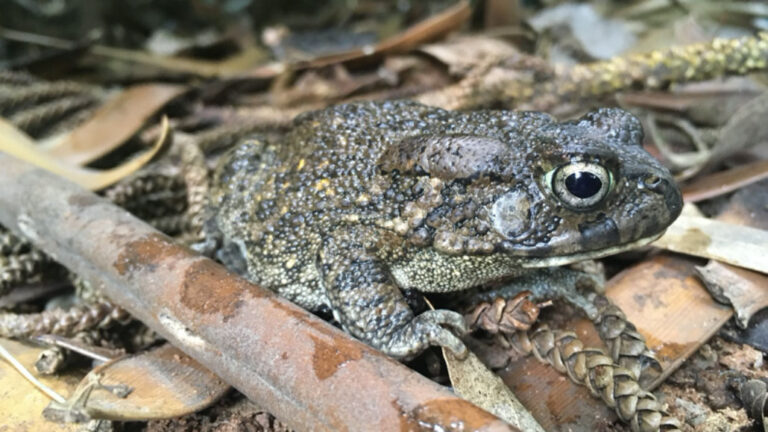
(226, 300)
(327, 359)
(145, 252)
(303, 370)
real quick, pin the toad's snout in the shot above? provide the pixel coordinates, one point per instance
(657, 203)
(667, 190)
(673, 198)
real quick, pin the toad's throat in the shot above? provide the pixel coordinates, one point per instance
(432, 271)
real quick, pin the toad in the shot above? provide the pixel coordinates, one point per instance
(359, 202)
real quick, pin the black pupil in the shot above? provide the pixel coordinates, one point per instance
(583, 184)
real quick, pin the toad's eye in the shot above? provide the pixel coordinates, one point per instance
(581, 185)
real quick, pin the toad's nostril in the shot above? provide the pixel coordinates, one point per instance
(652, 181)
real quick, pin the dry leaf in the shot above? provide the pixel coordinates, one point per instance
(733, 244)
(112, 124)
(748, 206)
(462, 54)
(428, 30)
(157, 384)
(669, 307)
(587, 27)
(707, 104)
(473, 381)
(724, 182)
(247, 58)
(745, 290)
(16, 143)
(745, 128)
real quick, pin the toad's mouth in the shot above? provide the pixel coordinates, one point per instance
(555, 261)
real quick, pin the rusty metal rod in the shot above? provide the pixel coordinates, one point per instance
(303, 370)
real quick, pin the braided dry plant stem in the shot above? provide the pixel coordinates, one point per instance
(515, 85)
(53, 360)
(17, 78)
(20, 268)
(510, 321)
(195, 172)
(14, 97)
(132, 190)
(658, 69)
(64, 322)
(626, 346)
(593, 368)
(172, 225)
(38, 118)
(11, 244)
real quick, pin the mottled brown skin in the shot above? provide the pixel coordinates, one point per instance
(359, 201)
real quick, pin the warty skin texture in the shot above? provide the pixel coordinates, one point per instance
(359, 201)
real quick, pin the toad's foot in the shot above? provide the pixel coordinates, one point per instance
(426, 330)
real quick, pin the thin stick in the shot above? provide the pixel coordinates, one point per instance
(99, 354)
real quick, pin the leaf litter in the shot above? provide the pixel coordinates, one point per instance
(712, 134)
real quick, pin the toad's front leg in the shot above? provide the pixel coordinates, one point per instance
(369, 305)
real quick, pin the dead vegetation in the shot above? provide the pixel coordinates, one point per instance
(137, 105)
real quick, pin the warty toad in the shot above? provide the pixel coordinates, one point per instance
(360, 201)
